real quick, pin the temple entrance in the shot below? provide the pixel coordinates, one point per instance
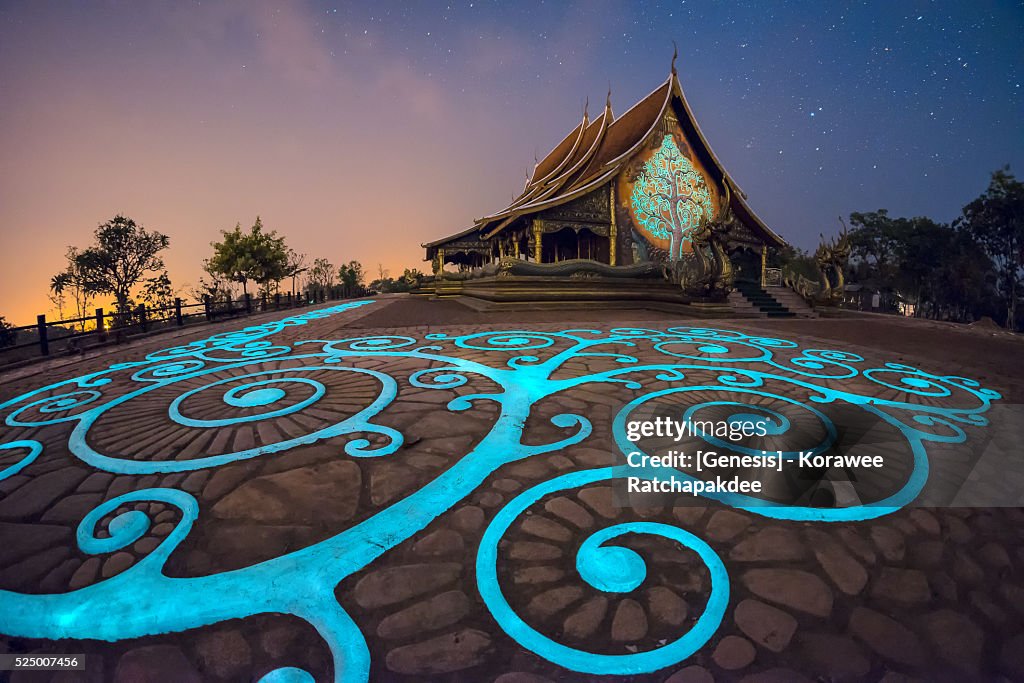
(569, 243)
(465, 260)
(747, 264)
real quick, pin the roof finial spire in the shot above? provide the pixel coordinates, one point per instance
(675, 53)
(586, 106)
(608, 100)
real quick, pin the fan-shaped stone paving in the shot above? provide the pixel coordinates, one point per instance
(336, 496)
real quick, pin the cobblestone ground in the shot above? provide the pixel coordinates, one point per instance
(919, 594)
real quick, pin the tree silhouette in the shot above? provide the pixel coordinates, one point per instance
(670, 198)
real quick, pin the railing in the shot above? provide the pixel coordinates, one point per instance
(773, 277)
(51, 336)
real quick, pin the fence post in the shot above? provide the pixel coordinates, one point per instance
(142, 316)
(177, 312)
(277, 301)
(101, 332)
(263, 302)
(289, 299)
(44, 343)
(207, 308)
(248, 303)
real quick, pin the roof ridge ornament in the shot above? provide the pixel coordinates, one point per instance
(675, 54)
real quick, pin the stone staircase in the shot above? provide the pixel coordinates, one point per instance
(793, 301)
(751, 300)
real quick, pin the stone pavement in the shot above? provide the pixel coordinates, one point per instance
(356, 474)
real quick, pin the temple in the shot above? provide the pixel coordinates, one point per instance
(629, 208)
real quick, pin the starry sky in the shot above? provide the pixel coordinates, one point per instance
(360, 130)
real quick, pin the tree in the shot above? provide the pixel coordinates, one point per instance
(996, 220)
(8, 336)
(670, 197)
(321, 275)
(295, 266)
(158, 292)
(71, 282)
(351, 276)
(213, 286)
(259, 256)
(122, 256)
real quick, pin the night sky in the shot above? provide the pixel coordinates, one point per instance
(361, 130)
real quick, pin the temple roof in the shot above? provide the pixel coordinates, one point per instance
(595, 151)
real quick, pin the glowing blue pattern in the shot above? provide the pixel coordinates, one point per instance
(142, 600)
(670, 197)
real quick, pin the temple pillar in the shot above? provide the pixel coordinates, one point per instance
(764, 263)
(538, 230)
(613, 233)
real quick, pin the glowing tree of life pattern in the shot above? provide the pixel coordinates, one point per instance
(670, 197)
(248, 372)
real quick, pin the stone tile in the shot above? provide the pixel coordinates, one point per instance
(725, 525)
(995, 556)
(889, 542)
(39, 493)
(26, 575)
(793, 588)
(1011, 658)
(390, 481)
(586, 619)
(832, 657)
(392, 585)
(599, 499)
(530, 551)
(440, 543)
(841, 567)
(767, 626)
(437, 612)
(778, 674)
(551, 602)
(858, 545)
(521, 677)
(85, 574)
(72, 509)
(117, 563)
(224, 653)
(630, 622)
(542, 527)
(224, 480)
(21, 540)
(886, 637)
(901, 586)
(535, 575)
(772, 544)
(467, 519)
(324, 495)
(691, 674)
(926, 554)
(155, 664)
(967, 571)
(665, 607)
(734, 652)
(442, 654)
(926, 521)
(956, 638)
(689, 515)
(570, 511)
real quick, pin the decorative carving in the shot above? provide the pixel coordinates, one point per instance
(831, 257)
(591, 207)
